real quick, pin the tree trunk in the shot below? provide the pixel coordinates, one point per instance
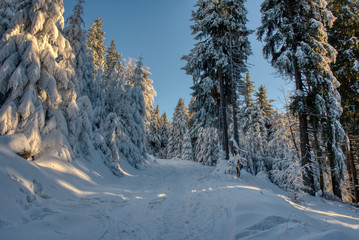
(320, 162)
(223, 113)
(337, 190)
(234, 94)
(353, 169)
(235, 118)
(308, 177)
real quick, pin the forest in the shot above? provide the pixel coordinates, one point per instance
(64, 93)
(86, 154)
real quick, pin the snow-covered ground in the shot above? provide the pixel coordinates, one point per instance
(167, 199)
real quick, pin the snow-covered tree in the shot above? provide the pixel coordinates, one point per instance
(284, 157)
(137, 133)
(7, 13)
(187, 153)
(157, 133)
(223, 47)
(96, 43)
(207, 147)
(112, 60)
(296, 43)
(164, 130)
(153, 132)
(37, 77)
(254, 139)
(263, 102)
(178, 131)
(76, 35)
(344, 36)
(148, 92)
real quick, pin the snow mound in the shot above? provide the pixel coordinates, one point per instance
(17, 143)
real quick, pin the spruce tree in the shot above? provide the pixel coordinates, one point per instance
(178, 131)
(207, 146)
(76, 35)
(7, 13)
(112, 60)
(96, 43)
(164, 130)
(284, 163)
(37, 77)
(263, 102)
(147, 89)
(187, 153)
(344, 37)
(138, 110)
(297, 45)
(153, 132)
(223, 47)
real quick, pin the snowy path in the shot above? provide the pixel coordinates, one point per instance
(171, 200)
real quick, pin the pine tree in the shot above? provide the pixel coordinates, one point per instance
(112, 60)
(285, 163)
(164, 131)
(37, 77)
(187, 153)
(344, 37)
(77, 38)
(263, 102)
(247, 106)
(207, 147)
(131, 135)
(147, 89)
(296, 43)
(138, 109)
(7, 13)
(178, 131)
(153, 132)
(96, 43)
(247, 91)
(223, 48)
(254, 139)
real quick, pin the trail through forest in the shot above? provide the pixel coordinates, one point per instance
(168, 199)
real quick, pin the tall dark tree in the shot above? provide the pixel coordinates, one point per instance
(217, 60)
(344, 36)
(296, 43)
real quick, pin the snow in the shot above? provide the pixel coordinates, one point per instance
(165, 199)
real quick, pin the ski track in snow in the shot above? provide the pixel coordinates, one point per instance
(170, 199)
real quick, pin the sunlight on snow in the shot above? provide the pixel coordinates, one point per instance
(330, 214)
(124, 172)
(63, 168)
(74, 189)
(227, 187)
(337, 222)
(115, 195)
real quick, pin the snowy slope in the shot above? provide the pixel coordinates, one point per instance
(169, 199)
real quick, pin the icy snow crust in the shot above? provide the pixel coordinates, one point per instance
(167, 199)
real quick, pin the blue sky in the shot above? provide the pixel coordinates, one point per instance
(159, 31)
